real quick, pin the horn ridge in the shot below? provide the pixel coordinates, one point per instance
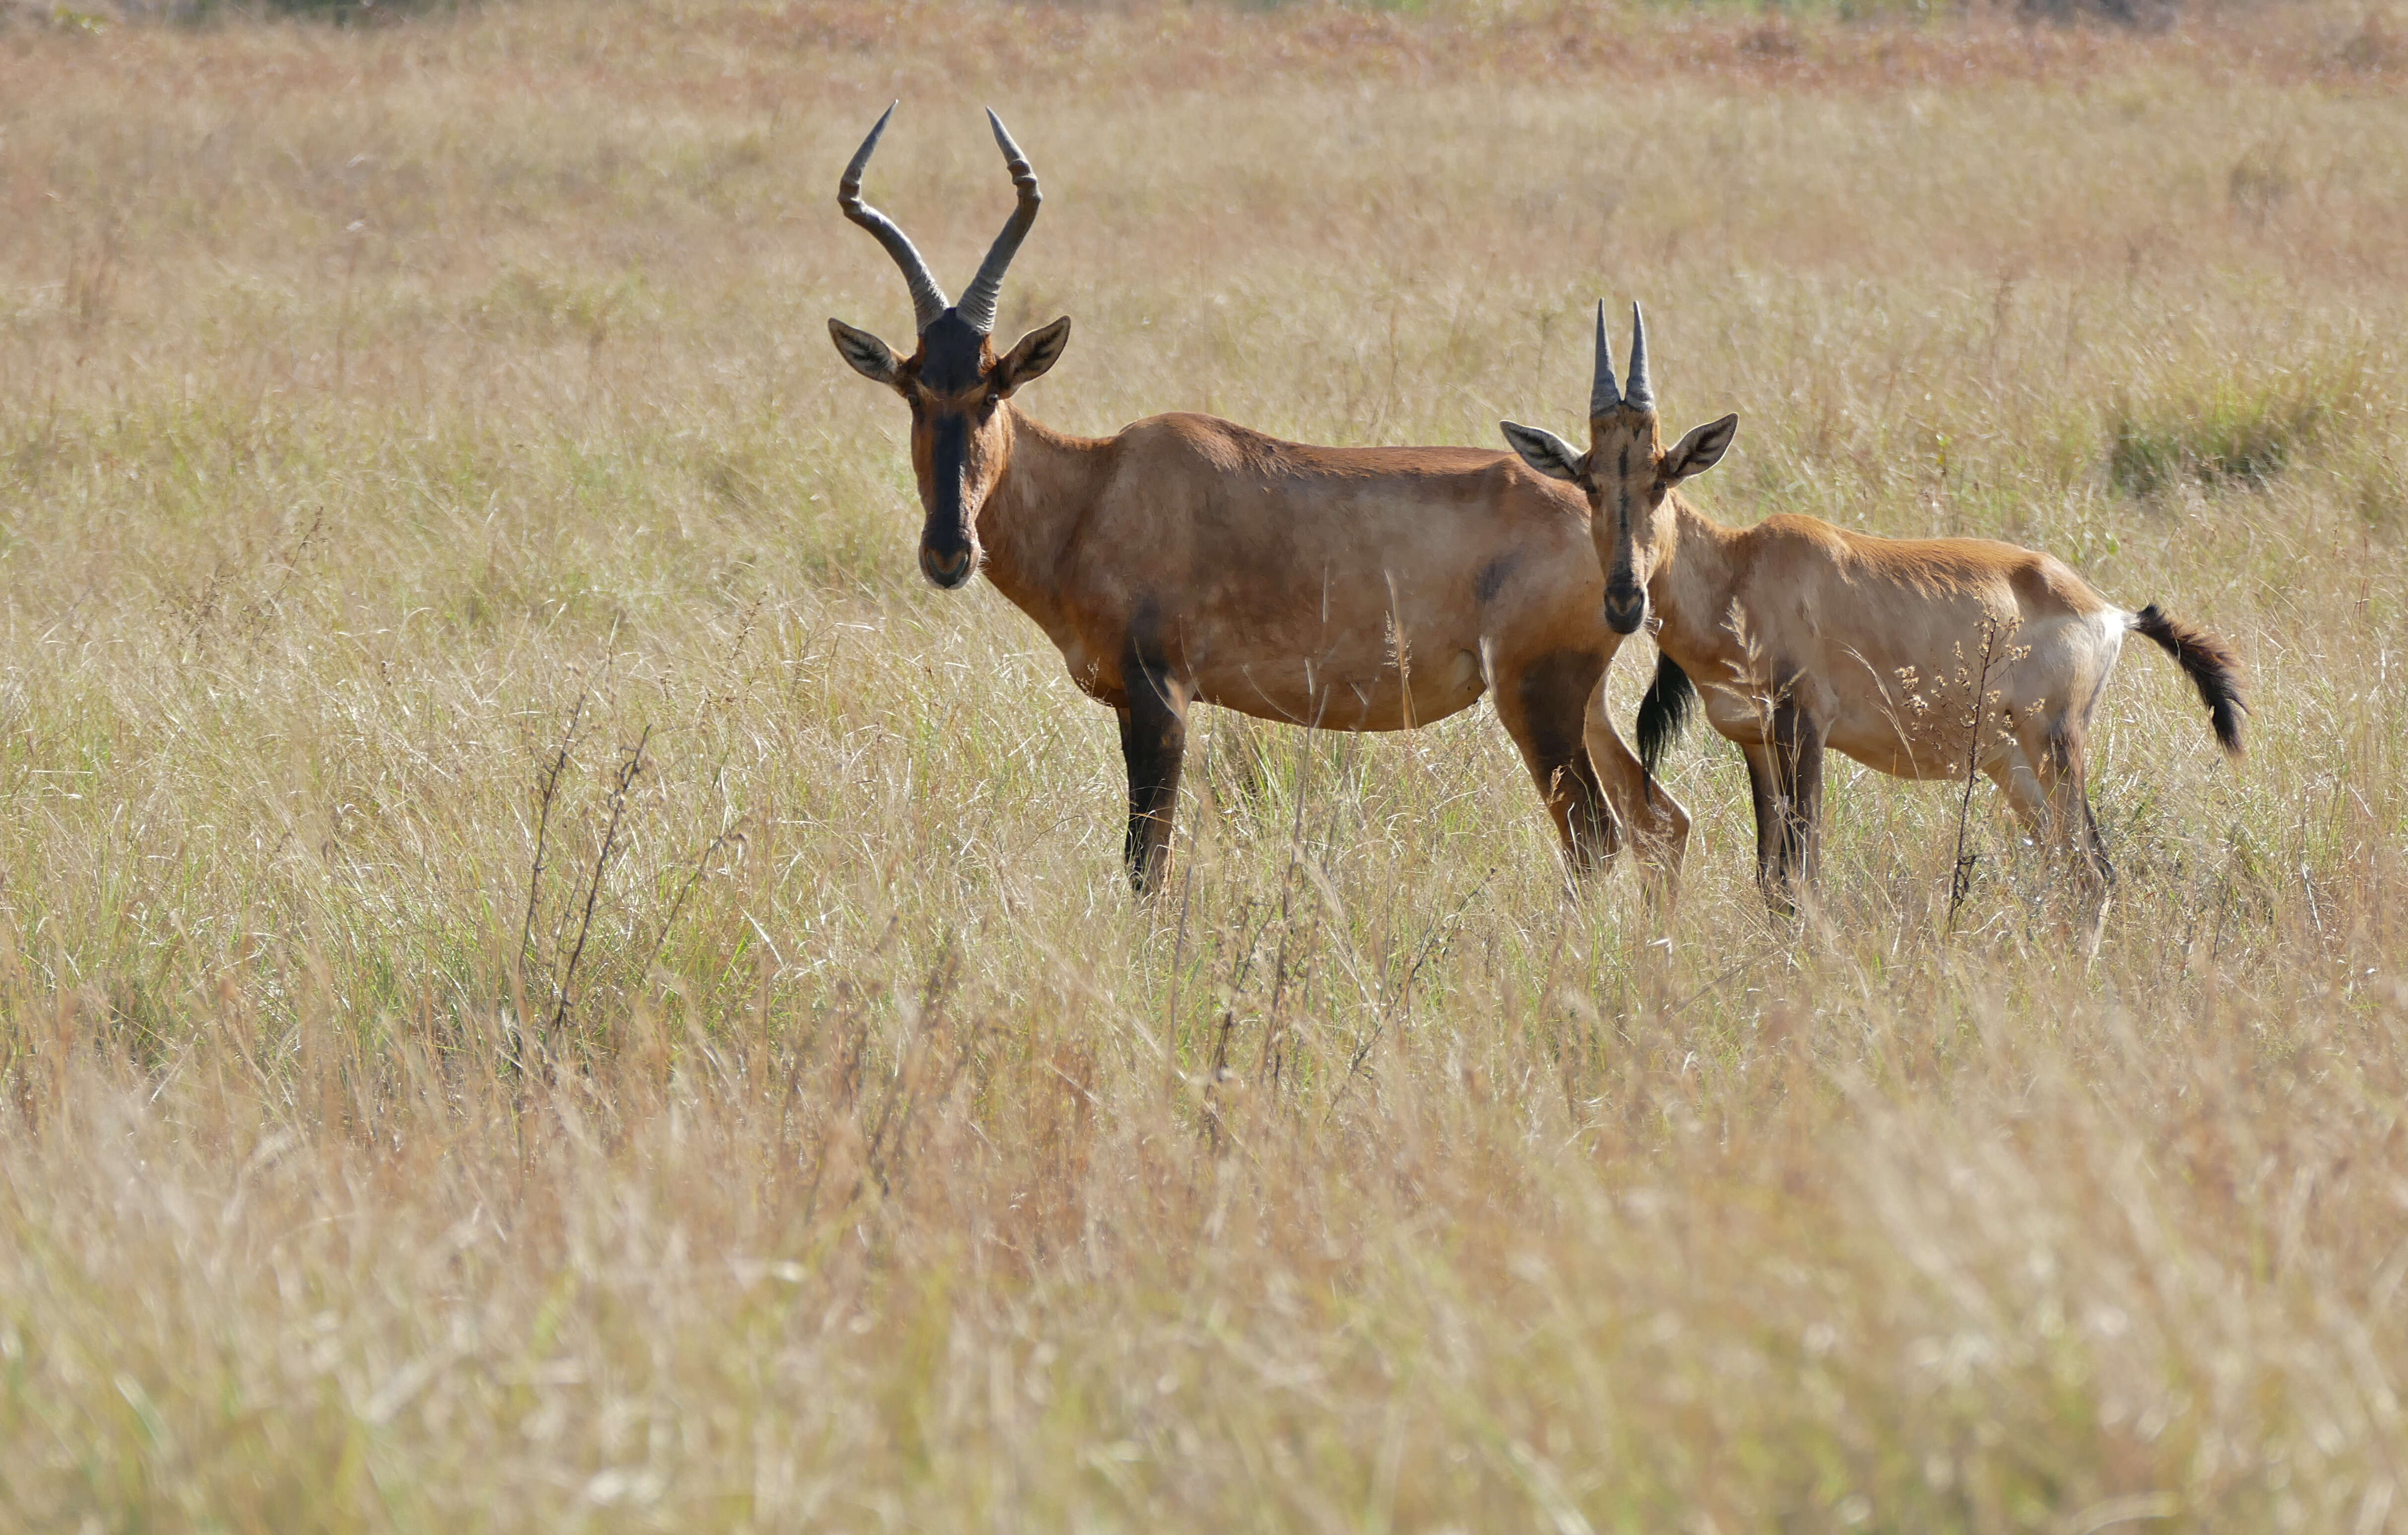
(1642, 394)
(977, 305)
(927, 299)
(1602, 395)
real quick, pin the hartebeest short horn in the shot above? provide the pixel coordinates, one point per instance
(1188, 559)
(1922, 657)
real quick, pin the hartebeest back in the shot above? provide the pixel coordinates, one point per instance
(1188, 559)
(1922, 657)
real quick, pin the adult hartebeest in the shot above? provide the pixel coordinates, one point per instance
(1922, 657)
(1188, 559)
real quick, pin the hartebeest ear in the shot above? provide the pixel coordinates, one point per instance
(868, 354)
(1701, 450)
(1544, 451)
(1034, 353)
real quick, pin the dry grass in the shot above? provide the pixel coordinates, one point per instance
(376, 402)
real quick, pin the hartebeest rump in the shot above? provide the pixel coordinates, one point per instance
(1186, 559)
(1922, 657)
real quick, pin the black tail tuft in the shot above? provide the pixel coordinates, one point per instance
(1664, 713)
(2209, 660)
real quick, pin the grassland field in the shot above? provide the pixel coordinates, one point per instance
(548, 981)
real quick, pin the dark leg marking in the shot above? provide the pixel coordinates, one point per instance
(1765, 792)
(1797, 770)
(1153, 744)
(1553, 695)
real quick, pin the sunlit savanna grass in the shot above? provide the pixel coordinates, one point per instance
(385, 412)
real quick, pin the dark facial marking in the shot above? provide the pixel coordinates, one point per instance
(953, 356)
(948, 453)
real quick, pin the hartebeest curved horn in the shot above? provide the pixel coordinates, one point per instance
(1642, 396)
(977, 306)
(1603, 395)
(927, 299)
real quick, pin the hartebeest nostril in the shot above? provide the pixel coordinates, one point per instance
(1624, 611)
(948, 569)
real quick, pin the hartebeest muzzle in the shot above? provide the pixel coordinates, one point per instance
(949, 538)
(1625, 608)
(948, 566)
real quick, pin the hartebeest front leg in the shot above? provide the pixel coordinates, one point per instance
(1154, 743)
(1798, 774)
(1771, 816)
(1654, 822)
(1544, 708)
(1785, 775)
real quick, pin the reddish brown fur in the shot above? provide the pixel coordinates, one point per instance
(1186, 559)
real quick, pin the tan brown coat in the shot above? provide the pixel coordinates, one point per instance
(1927, 658)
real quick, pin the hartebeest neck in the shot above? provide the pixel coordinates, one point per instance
(1695, 575)
(1049, 480)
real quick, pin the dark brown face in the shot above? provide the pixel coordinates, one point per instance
(961, 433)
(949, 385)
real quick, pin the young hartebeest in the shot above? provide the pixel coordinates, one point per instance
(1188, 559)
(1922, 657)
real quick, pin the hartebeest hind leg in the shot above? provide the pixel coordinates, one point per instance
(1544, 709)
(2046, 784)
(1154, 743)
